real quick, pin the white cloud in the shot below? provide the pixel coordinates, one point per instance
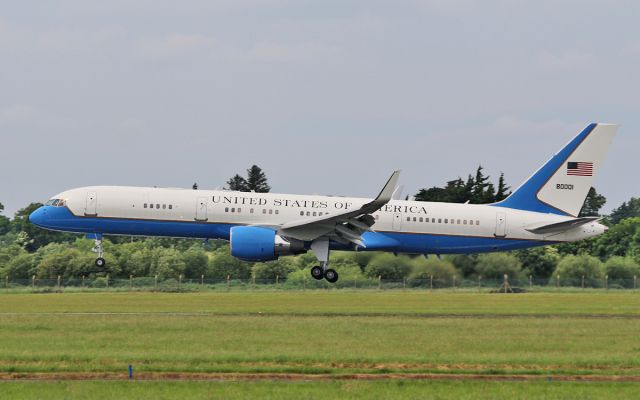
(291, 53)
(178, 45)
(568, 61)
(16, 113)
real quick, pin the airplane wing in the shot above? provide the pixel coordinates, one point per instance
(345, 227)
(561, 226)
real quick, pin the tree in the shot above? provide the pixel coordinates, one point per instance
(5, 225)
(503, 190)
(539, 261)
(478, 194)
(257, 180)
(237, 183)
(592, 204)
(477, 190)
(628, 209)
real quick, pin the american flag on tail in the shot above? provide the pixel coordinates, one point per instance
(580, 168)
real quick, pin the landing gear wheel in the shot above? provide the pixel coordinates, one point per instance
(316, 272)
(100, 262)
(331, 275)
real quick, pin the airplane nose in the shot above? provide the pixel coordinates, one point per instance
(38, 216)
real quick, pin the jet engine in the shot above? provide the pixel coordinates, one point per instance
(255, 243)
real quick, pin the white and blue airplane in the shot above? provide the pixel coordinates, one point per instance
(265, 226)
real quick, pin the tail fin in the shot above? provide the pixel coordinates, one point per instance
(561, 185)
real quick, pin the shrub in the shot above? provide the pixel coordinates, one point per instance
(443, 272)
(496, 265)
(622, 270)
(20, 267)
(572, 268)
(195, 260)
(223, 264)
(389, 267)
(271, 270)
(539, 261)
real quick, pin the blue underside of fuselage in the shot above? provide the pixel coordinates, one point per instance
(61, 219)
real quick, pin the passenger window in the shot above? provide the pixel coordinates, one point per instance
(408, 219)
(277, 212)
(477, 222)
(439, 220)
(458, 222)
(464, 222)
(170, 207)
(420, 219)
(158, 206)
(308, 214)
(320, 213)
(270, 211)
(302, 213)
(251, 211)
(264, 210)
(446, 220)
(314, 214)
(239, 209)
(164, 206)
(233, 209)
(226, 209)
(145, 205)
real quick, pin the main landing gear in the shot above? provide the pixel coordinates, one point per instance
(321, 249)
(98, 249)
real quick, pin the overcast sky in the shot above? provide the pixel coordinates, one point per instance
(328, 97)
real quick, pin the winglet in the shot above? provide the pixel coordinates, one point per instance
(386, 194)
(387, 191)
(397, 194)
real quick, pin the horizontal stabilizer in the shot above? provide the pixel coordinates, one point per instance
(562, 226)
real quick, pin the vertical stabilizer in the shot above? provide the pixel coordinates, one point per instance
(561, 185)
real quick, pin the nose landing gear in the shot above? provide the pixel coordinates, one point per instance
(98, 249)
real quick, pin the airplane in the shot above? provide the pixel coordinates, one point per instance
(264, 226)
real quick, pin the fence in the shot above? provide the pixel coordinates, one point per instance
(181, 284)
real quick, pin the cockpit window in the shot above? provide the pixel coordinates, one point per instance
(55, 203)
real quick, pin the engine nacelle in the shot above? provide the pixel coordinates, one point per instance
(254, 243)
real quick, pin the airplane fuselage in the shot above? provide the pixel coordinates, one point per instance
(400, 226)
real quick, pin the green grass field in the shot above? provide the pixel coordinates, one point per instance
(325, 333)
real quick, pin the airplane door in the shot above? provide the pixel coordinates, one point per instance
(91, 207)
(396, 224)
(501, 224)
(201, 209)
